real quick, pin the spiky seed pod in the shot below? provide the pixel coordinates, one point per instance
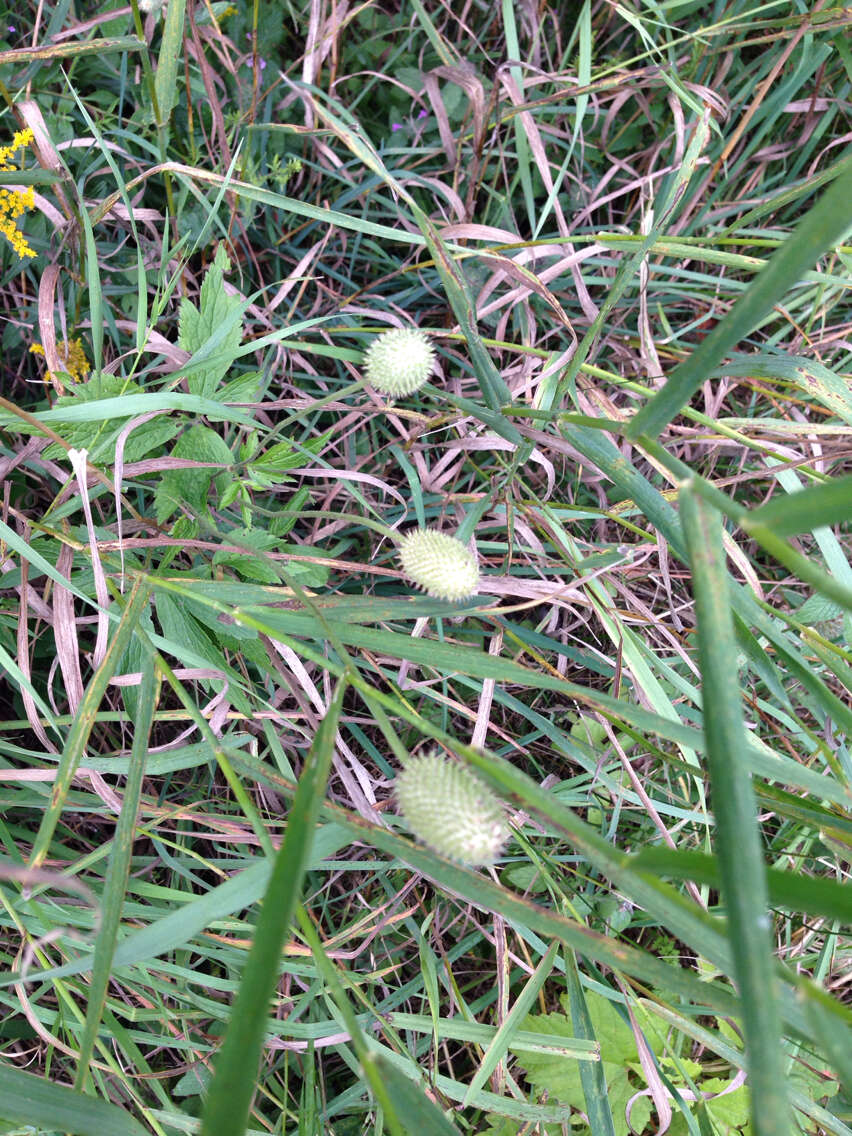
(451, 810)
(399, 362)
(442, 566)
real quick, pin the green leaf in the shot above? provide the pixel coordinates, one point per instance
(809, 375)
(190, 487)
(270, 468)
(98, 436)
(729, 1114)
(619, 1060)
(84, 722)
(115, 883)
(415, 1113)
(229, 1098)
(792, 513)
(821, 227)
(34, 1101)
(218, 323)
(494, 389)
(738, 839)
(258, 568)
(809, 895)
(592, 1074)
(165, 83)
(817, 609)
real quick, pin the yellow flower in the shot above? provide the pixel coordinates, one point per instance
(15, 202)
(73, 356)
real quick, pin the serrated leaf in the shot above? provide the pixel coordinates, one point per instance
(818, 609)
(99, 437)
(232, 636)
(619, 1059)
(183, 631)
(244, 389)
(191, 487)
(247, 565)
(729, 1114)
(218, 318)
(263, 571)
(271, 467)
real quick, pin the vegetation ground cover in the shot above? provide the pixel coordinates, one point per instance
(622, 232)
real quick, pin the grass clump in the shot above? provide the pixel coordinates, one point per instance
(614, 233)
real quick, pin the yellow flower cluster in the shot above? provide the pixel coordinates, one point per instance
(12, 201)
(73, 355)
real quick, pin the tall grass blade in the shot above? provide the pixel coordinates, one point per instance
(84, 721)
(117, 872)
(29, 1100)
(165, 82)
(818, 231)
(592, 1075)
(738, 841)
(229, 1099)
(806, 510)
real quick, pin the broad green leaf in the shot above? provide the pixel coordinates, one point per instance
(31, 1100)
(190, 487)
(619, 1064)
(219, 320)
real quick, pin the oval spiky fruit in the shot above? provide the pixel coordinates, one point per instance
(399, 362)
(451, 810)
(442, 566)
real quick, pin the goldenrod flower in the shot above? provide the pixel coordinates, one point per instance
(15, 202)
(72, 355)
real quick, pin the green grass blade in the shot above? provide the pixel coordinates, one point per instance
(115, 883)
(165, 82)
(84, 721)
(229, 1099)
(415, 1114)
(592, 1075)
(72, 50)
(502, 1039)
(738, 839)
(29, 1100)
(494, 389)
(402, 1100)
(787, 515)
(821, 227)
(809, 895)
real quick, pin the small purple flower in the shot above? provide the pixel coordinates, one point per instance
(422, 113)
(12, 28)
(396, 126)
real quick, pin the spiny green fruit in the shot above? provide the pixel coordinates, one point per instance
(442, 566)
(399, 362)
(451, 810)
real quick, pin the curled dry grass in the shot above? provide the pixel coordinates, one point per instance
(568, 202)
